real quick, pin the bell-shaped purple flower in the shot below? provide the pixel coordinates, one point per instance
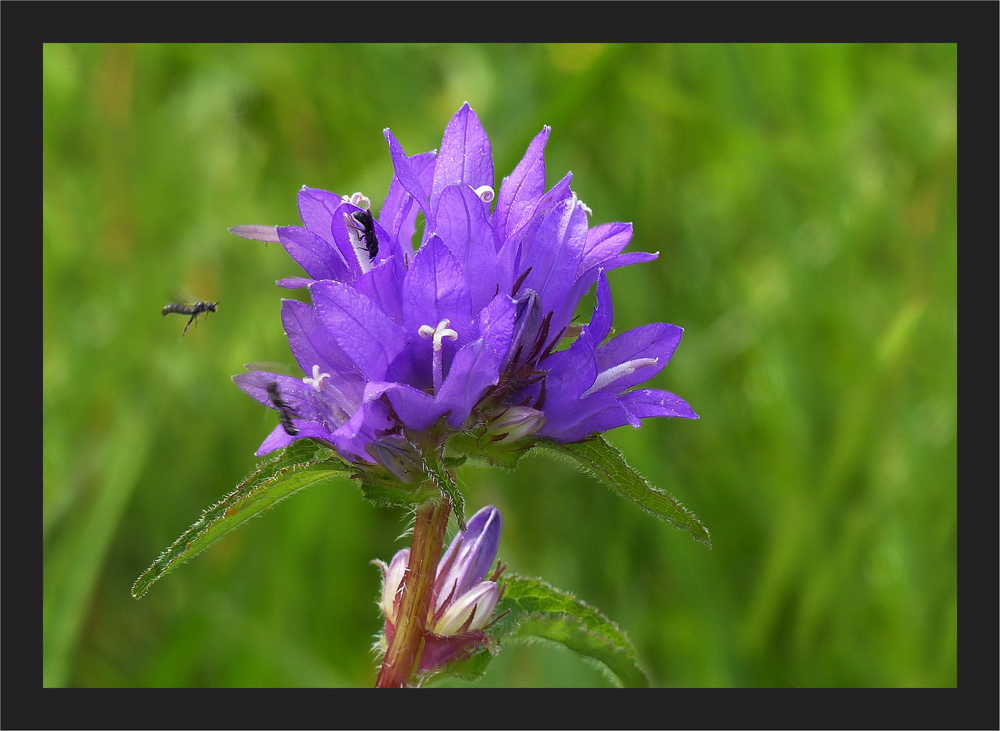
(401, 340)
(463, 599)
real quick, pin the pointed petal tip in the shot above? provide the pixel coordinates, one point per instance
(255, 232)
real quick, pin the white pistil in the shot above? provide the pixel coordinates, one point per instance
(359, 199)
(438, 333)
(485, 193)
(317, 380)
(619, 371)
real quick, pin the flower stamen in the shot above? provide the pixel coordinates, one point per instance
(317, 379)
(359, 199)
(438, 334)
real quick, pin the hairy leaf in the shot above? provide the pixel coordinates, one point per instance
(302, 464)
(607, 464)
(536, 610)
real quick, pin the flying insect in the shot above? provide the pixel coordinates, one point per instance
(284, 410)
(194, 310)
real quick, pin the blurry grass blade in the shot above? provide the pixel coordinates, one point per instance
(75, 562)
(540, 610)
(301, 465)
(607, 464)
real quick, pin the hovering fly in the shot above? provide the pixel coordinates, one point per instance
(193, 310)
(284, 410)
(366, 231)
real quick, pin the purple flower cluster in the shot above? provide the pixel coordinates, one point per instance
(464, 329)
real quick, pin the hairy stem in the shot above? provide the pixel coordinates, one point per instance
(407, 641)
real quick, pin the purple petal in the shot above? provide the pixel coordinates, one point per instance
(434, 290)
(312, 344)
(279, 438)
(382, 285)
(465, 156)
(313, 253)
(474, 368)
(256, 233)
(369, 337)
(577, 420)
(398, 214)
(495, 324)
(648, 402)
(416, 409)
(365, 423)
(603, 242)
(407, 173)
(294, 282)
(570, 373)
(586, 281)
(600, 323)
(466, 230)
(554, 257)
(656, 340)
(520, 192)
(318, 210)
(556, 195)
(299, 397)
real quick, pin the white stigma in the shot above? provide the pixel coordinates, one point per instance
(586, 208)
(317, 380)
(438, 333)
(619, 371)
(485, 193)
(359, 199)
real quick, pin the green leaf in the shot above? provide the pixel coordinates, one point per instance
(607, 464)
(538, 610)
(302, 464)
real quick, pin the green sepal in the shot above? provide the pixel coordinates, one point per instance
(384, 494)
(601, 460)
(440, 476)
(482, 447)
(302, 464)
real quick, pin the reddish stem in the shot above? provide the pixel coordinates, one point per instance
(407, 641)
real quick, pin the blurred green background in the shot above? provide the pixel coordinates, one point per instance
(803, 201)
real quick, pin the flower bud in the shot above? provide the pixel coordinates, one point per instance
(392, 580)
(468, 558)
(470, 611)
(516, 422)
(398, 456)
